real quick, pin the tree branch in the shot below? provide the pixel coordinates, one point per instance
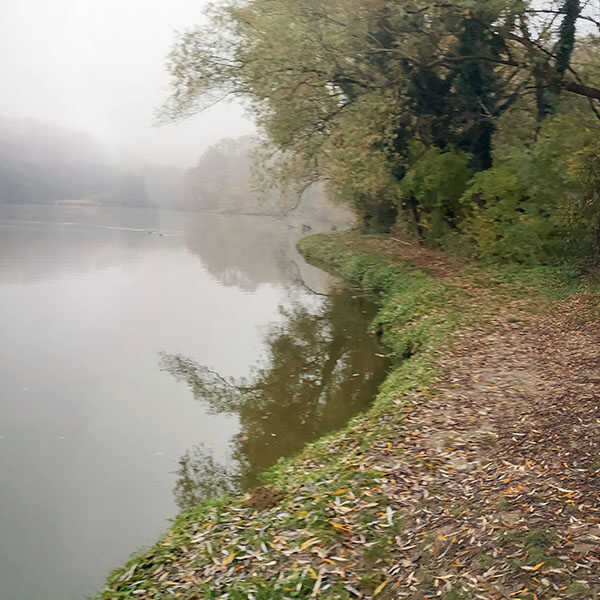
(582, 90)
(561, 12)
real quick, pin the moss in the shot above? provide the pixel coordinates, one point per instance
(485, 561)
(543, 538)
(369, 581)
(538, 542)
(377, 551)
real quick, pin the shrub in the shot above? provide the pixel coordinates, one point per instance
(433, 188)
(538, 204)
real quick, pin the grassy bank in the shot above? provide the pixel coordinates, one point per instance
(374, 510)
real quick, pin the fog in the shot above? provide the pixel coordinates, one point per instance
(99, 68)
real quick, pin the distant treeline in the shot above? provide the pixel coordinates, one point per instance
(43, 164)
(223, 180)
(220, 181)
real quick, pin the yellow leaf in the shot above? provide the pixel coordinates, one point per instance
(379, 588)
(227, 560)
(538, 566)
(339, 526)
(342, 491)
(308, 543)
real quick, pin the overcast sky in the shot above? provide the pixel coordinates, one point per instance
(98, 66)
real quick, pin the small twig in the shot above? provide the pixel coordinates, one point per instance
(401, 241)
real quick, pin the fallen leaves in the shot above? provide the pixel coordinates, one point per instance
(537, 567)
(379, 588)
(309, 543)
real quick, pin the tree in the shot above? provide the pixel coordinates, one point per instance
(340, 87)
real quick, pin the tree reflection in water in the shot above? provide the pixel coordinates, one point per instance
(321, 368)
(200, 476)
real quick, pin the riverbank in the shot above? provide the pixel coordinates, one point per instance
(475, 473)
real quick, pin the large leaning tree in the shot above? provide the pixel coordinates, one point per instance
(342, 89)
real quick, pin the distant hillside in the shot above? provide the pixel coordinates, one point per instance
(40, 163)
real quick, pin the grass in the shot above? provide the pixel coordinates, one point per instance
(418, 311)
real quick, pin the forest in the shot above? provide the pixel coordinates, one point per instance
(471, 126)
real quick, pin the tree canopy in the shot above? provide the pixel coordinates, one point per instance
(355, 92)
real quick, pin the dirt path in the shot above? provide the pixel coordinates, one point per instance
(499, 469)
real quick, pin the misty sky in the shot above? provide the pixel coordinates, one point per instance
(99, 67)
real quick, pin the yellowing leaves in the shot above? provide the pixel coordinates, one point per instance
(536, 568)
(340, 526)
(309, 543)
(379, 588)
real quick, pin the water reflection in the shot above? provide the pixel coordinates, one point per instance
(88, 297)
(200, 476)
(41, 242)
(321, 368)
(244, 252)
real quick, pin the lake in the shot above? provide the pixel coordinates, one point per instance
(148, 358)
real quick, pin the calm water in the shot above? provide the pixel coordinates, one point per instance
(145, 359)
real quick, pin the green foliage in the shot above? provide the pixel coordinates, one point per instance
(507, 222)
(539, 204)
(585, 170)
(567, 32)
(340, 89)
(378, 216)
(434, 186)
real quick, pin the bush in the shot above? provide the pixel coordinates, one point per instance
(432, 190)
(538, 204)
